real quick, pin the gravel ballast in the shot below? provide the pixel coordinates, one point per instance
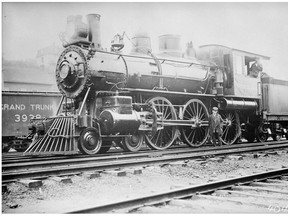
(84, 191)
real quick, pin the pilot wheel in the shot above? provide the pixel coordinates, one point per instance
(89, 141)
(133, 143)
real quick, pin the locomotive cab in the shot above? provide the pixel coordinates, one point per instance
(243, 87)
(236, 65)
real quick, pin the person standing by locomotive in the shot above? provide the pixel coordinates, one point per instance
(215, 126)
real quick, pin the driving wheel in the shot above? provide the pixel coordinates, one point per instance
(164, 137)
(231, 130)
(195, 110)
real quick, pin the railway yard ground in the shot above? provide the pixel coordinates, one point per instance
(71, 193)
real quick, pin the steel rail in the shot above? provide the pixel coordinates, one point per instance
(20, 159)
(181, 193)
(97, 166)
(42, 162)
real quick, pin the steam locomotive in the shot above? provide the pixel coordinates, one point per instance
(128, 99)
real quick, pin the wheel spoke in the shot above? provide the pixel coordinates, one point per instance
(169, 116)
(226, 135)
(197, 113)
(190, 114)
(194, 108)
(190, 111)
(226, 129)
(193, 137)
(200, 111)
(201, 117)
(165, 112)
(186, 118)
(190, 133)
(159, 132)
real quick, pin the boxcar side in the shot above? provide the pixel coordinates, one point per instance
(19, 107)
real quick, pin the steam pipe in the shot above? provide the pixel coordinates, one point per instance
(84, 101)
(226, 104)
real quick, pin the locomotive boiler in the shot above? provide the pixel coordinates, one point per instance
(110, 97)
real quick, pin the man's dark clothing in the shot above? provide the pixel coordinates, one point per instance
(255, 69)
(215, 127)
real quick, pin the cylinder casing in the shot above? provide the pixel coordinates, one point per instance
(113, 122)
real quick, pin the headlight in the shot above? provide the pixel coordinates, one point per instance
(65, 69)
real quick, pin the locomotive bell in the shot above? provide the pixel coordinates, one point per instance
(117, 43)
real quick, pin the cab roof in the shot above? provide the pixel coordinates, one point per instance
(238, 50)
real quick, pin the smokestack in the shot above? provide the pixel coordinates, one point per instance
(94, 30)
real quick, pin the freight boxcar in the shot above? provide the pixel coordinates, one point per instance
(17, 110)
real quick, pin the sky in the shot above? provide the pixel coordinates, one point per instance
(259, 27)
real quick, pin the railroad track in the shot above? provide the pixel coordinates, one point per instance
(259, 193)
(18, 157)
(46, 167)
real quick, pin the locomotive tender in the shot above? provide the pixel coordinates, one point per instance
(109, 96)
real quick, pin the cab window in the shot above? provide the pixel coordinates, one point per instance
(248, 63)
